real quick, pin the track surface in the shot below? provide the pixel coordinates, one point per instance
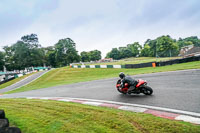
(22, 82)
(176, 90)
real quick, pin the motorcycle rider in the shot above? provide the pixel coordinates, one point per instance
(127, 79)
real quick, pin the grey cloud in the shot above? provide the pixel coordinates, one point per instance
(99, 23)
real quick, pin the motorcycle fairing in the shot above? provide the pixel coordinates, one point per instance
(140, 82)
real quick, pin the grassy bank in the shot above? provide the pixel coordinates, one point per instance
(73, 75)
(14, 81)
(134, 60)
(42, 116)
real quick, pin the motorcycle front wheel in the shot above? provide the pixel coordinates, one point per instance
(147, 90)
(121, 91)
(118, 88)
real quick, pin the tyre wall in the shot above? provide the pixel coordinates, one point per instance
(4, 125)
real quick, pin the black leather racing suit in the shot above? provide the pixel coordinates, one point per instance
(131, 82)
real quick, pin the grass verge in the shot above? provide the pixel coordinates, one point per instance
(14, 81)
(66, 75)
(134, 60)
(42, 116)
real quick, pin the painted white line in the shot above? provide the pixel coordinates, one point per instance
(45, 98)
(31, 97)
(92, 103)
(188, 119)
(133, 109)
(130, 107)
(64, 100)
(143, 106)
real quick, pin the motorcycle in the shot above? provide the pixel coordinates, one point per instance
(141, 87)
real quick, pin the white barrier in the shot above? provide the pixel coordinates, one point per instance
(117, 66)
(92, 66)
(103, 66)
(20, 75)
(82, 66)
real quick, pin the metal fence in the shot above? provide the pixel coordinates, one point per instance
(177, 61)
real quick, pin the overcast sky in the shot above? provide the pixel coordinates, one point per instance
(98, 24)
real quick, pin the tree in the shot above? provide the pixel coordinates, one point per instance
(24, 53)
(166, 47)
(65, 52)
(36, 52)
(9, 61)
(163, 46)
(95, 55)
(2, 60)
(85, 56)
(135, 48)
(114, 53)
(146, 52)
(193, 40)
(132, 50)
(31, 40)
(125, 52)
(28, 52)
(37, 57)
(153, 48)
(21, 57)
(52, 59)
(49, 56)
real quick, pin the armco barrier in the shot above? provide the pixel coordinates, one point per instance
(149, 64)
(7, 80)
(142, 65)
(177, 61)
(4, 125)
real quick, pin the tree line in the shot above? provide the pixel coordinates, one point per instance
(163, 46)
(28, 52)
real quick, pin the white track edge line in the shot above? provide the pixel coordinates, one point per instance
(188, 119)
(136, 105)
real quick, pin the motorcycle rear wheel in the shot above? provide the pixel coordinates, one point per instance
(147, 90)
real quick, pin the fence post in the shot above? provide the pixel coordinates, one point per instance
(153, 64)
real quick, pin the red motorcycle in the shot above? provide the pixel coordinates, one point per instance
(141, 87)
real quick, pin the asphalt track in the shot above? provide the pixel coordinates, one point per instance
(176, 90)
(23, 82)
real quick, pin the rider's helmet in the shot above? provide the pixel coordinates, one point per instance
(121, 75)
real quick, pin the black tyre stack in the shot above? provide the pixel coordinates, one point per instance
(4, 124)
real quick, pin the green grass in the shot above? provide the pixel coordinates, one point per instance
(14, 81)
(134, 60)
(66, 75)
(43, 116)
